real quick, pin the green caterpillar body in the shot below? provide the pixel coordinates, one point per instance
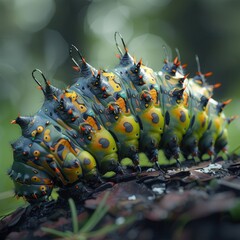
(86, 130)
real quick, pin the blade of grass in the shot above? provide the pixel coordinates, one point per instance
(110, 228)
(94, 220)
(56, 232)
(98, 214)
(74, 215)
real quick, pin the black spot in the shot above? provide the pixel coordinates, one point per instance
(57, 128)
(167, 77)
(204, 122)
(140, 122)
(60, 147)
(209, 125)
(220, 135)
(167, 118)
(104, 142)
(182, 116)
(86, 161)
(192, 121)
(155, 118)
(128, 127)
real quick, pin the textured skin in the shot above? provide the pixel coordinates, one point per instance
(87, 129)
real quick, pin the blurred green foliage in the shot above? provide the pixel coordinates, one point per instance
(37, 34)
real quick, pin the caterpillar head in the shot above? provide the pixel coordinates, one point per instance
(30, 182)
(24, 123)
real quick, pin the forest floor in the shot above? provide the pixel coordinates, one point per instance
(199, 201)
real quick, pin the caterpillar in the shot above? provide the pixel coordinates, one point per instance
(84, 131)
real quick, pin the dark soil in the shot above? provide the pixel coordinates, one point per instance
(200, 202)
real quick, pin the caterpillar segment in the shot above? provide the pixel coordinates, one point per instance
(125, 129)
(136, 76)
(151, 121)
(198, 126)
(174, 106)
(215, 135)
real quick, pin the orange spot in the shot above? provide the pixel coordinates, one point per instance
(104, 88)
(154, 95)
(91, 122)
(208, 74)
(121, 104)
(227, 102)
(57, 170)
(111, 107)
(217, 85)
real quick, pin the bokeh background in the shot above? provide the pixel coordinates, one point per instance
(37, 34)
